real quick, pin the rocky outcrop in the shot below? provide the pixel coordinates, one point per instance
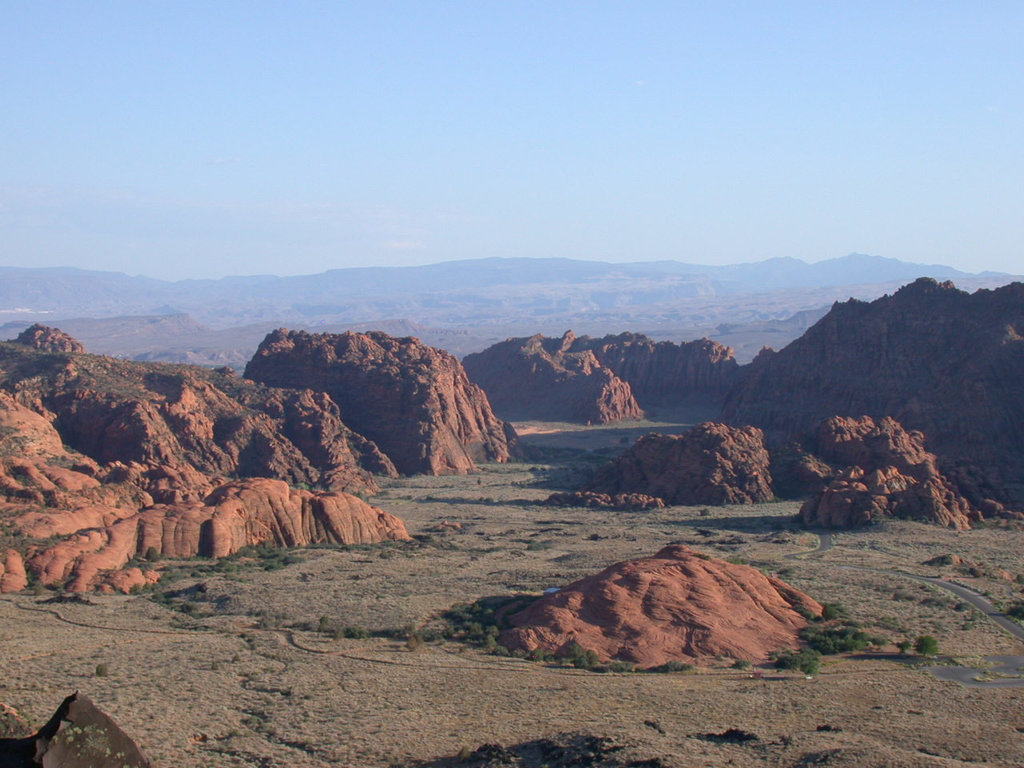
(47, 339)
(190, 421)
(676, 606)
(938, 360)
(882, 471)
(79, 735)
(91, 546)
(711, 464)
(148, 479)
(628, 502)
(414, 401)
(547, 379)
(665, 373)
(13, 577)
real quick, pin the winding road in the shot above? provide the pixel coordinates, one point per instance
(1009, 666)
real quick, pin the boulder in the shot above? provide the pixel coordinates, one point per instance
(79, 735)
(675, 606)
(711, 464)
(414, 401)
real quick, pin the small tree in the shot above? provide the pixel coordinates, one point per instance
(926, 645)
(903, 645)
(810, 664)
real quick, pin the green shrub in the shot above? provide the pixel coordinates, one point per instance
(837, 639)
(102, 670)
(926, 645)
(804, 660)
(671, 667)
(832, 611)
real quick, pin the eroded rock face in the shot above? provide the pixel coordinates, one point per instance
(79, 735)
(414, 401)
(547, 379)
(665, 373)
(882, 471)
(938, 360)
(675, 606)
(711, 464)
(189, 420)
(162, 439)
(94, 544)
(47, 339)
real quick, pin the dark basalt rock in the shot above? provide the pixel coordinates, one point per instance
(79, 735)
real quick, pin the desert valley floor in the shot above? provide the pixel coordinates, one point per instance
(234, 672)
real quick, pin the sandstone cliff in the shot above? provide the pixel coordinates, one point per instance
(542, 378)
(414, 401)
(675, 606)
(938, 360)
(665, 373)
(710, 464)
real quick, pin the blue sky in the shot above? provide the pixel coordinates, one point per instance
(181, 139)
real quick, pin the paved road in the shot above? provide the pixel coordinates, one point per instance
(1001, 665)
(1012, 666)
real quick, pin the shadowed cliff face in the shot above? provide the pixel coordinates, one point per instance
(542, 378)
(675, 606)
(414, 401)
(664, 373)
(936, 359)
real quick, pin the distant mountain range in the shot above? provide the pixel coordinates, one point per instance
(461, 305)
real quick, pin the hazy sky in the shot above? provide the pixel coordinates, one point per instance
(208, 138)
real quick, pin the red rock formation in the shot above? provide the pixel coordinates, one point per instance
(622, 501)
(710, 464)
(676, 606)
(47, 339)
(165, 435)
(191, 420)
(542, 378)
(936, 359)
(885, 472)
(664, 373)
(95, 544)
(13, 577)
(414, 401)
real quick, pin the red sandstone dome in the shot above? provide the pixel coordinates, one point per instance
(676, 606)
